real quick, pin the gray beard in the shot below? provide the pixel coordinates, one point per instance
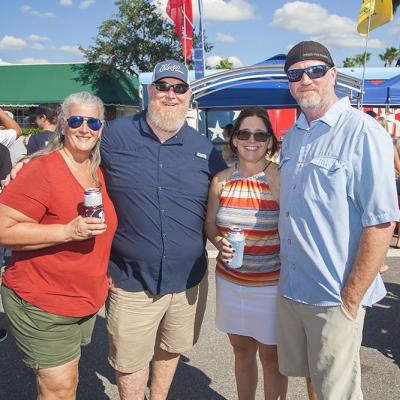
(167, 121)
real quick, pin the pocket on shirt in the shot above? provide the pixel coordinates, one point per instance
(195, 177)
(324, 177)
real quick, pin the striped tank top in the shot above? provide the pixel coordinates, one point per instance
(248, 204)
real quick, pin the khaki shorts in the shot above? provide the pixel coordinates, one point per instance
(322, 343)
(45, 340)
(138, 321)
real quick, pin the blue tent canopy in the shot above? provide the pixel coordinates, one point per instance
(263, 84)
(385, 94)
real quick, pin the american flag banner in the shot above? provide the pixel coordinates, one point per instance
(180, 11)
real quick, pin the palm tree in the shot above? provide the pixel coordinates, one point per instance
(349, 62)
(390, 55)
(224, 64)
(359, 59)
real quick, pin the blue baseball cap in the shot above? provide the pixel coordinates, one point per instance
(170, 69)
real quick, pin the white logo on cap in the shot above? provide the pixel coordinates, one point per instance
(172, 68)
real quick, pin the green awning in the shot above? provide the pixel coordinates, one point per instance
(29, 85)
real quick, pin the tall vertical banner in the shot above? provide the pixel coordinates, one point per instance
(199, 62)
(379, 11)
(180, 11)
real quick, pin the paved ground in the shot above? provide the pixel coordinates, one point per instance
(205, 373)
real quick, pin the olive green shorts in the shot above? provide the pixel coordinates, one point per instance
(45, 340)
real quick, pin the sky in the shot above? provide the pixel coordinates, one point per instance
(244, 31)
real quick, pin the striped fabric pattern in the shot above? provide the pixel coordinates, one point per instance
(248, 204)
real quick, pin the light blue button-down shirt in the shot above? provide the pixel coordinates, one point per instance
(337, 178)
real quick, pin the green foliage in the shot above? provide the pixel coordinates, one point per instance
(390, 55)
(396, 3)
(349, 62)
(224, 64)
(136, 38)
(30, 131)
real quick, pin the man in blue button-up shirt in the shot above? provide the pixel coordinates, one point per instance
(338, 204)
(157, 171)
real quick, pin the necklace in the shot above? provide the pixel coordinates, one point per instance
(266, 166)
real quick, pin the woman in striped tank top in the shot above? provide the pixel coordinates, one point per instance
(247, 195)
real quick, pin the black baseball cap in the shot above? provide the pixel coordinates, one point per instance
(308, 50)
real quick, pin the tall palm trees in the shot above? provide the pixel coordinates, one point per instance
(390, 55)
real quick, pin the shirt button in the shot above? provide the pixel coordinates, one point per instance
(163, 211)
(294, 187)
(160, 165)
(159, 188)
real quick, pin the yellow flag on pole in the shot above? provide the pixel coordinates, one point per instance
(381, 13)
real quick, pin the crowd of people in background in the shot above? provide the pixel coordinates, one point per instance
(316, 230)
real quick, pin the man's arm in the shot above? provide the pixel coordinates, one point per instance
(9, 123)
(370, 257)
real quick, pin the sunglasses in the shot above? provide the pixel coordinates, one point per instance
(75, 121)
(260, 136)
(314, 72)
(179, 88)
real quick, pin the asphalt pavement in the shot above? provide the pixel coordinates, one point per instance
(206, 372)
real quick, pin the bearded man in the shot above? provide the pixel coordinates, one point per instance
(158, 170)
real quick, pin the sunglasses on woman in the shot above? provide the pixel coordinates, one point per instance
(260, 136)
(75, 121)
(178, 88)
(314, 72)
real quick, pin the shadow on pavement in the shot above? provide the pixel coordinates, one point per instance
(17, 382)
(191, 383)
(382, 324)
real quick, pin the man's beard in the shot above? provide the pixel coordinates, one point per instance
(167, 120)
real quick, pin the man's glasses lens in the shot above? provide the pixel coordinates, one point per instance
(258, 136)
(314, 72)
(179, 88)
(76, 121)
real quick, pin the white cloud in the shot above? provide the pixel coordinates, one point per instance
(2, 62)
(86, 3)
(29, 10)
(37, 46)
(30, 60)
(218, 10)
(224, 38)
(66, 2)
(213, 61)
(334, 31)
(12, 43)
(70, 49)
(37, 38)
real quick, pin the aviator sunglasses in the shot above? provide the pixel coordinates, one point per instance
(260, 136)
(314, 72)
(75, 121)
(178, 88)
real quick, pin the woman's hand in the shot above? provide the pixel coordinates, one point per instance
(226, 252)
(82, 228)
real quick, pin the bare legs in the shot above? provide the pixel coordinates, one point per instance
(58, 383)
(245, 350)
(132, 386)
(311, 394)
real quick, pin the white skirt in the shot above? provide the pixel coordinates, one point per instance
(246, 310)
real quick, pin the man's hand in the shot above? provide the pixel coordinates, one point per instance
(14, 172)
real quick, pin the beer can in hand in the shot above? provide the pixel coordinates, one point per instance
(236, 238)
(93, 203)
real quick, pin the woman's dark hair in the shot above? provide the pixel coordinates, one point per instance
(254, 112)
(49, 110)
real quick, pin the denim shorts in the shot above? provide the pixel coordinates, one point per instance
(45, 340)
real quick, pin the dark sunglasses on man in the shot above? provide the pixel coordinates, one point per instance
(259, 136)
(178, 88)
(314, 72)
(75, 121)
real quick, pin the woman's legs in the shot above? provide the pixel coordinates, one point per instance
(246, 373)
(275, 384)
(58, 383)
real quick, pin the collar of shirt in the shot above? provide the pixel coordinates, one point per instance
(330, 117)
(178, 138)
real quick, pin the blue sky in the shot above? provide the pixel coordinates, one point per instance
(246, 31)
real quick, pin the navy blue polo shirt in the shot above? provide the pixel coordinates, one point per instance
(159, 192)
